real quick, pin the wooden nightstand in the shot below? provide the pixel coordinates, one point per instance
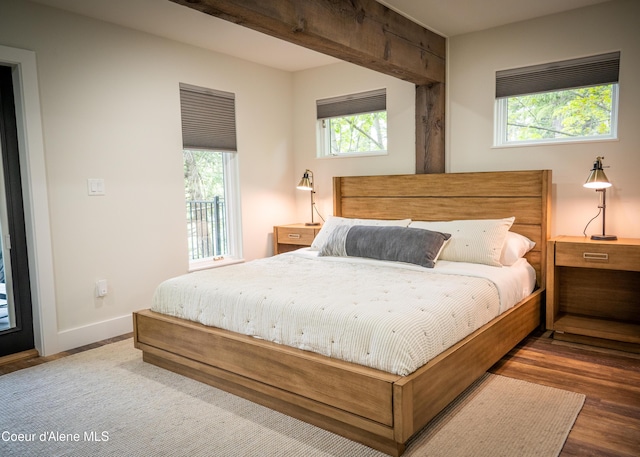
(293, 236)
(593, 291)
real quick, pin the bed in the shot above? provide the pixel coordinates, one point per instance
(380, 408)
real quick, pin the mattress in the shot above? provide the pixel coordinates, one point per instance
(390, 316)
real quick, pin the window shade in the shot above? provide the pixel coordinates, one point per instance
(208, 119)
(566, 74)
(364, 102)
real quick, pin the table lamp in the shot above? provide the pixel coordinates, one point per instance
(306, 183)
(598, 180)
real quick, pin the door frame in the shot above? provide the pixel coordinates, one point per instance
(35, 196)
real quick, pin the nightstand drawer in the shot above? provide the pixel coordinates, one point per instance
(290, 237)
(300, 236)
(592, 255)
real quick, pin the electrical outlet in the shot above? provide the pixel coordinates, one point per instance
(101, 288)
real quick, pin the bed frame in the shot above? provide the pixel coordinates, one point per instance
(373, 407)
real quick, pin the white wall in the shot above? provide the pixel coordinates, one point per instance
(110, 109)
(473, 60)
(341, 79)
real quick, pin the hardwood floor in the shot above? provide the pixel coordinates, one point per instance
(609, 423)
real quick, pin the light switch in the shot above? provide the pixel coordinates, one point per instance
(95, 186)
(101, 287)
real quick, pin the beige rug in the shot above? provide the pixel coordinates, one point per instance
(107, 402)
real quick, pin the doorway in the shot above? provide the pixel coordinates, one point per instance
(16, 314)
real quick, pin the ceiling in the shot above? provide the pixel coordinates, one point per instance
(179, 23)
(455, 17)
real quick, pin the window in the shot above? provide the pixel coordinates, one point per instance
(572, 100)
(353, 124)
(210, 174)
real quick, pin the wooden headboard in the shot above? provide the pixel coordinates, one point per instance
(451, 196)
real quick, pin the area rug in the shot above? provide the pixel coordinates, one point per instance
(107, 402)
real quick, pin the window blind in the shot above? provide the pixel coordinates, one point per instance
(208, 119)
(566, 74)
(347, 105)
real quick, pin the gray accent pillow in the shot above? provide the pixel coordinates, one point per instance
(397, 244)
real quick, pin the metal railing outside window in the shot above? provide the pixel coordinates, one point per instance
(207, 228)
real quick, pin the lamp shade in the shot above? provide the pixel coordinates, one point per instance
(597, 179)
(305, 183)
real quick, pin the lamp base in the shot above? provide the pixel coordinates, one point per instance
(313, 224)
(604, 237)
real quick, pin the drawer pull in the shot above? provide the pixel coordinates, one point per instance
(294, 236)
(595, 256)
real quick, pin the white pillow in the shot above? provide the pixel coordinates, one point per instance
(473, 241)
(515, 247)
(333, 221)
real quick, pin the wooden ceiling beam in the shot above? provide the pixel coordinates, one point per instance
(363, 32)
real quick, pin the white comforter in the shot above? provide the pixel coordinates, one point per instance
(390, 316)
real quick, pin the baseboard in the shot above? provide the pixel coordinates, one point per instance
(81, 336)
